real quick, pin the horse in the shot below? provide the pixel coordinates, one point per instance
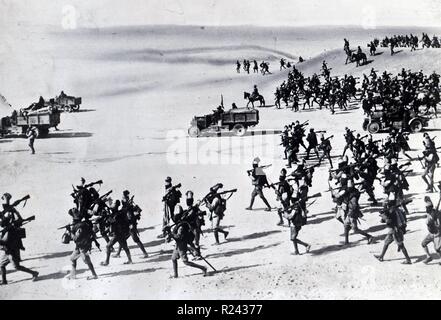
(252, 99)
(359, 58)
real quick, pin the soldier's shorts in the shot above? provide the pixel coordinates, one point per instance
(436, 239)
(295, 232)
(11, 256)
(179, 253)
(257, 192)
(79, 253)
(394, 235)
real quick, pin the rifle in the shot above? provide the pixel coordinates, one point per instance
(364, 137)
(259, 167)
(17, 223)
(173, 188)
(17, 202)
(328, 138)
(75, 191)
(340, 188)
(317, 195)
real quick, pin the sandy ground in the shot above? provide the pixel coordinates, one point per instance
(140, 91)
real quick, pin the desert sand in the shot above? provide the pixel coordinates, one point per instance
(141, 87)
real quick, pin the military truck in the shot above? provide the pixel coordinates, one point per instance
(408, 121)
(235, 120)
(18, 123)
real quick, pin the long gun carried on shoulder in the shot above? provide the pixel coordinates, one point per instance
(169, 191)
(17, 224)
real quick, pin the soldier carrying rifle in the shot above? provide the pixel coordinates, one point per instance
(259, 181)
(133, 212)
(11, 237)
(81, 232)
(171, 199)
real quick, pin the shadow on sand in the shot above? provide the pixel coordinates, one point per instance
(68, 135)
(242, 251)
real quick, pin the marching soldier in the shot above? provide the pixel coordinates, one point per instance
(396, 228)
(431, 159)
(349, 138)
(312, 144)
(119, 232)
(433, 223)
(217, 206)
(259, 181)
(133, 213)
(83, 236)
(195, 217)
(183, 237)
(171, 199)
(294, 215)
(11, 239)
(326, 147)
(284, 195)
(353, 213)
(32, 135)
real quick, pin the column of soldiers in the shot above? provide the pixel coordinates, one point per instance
(400, 96)
(329, 92)
(410, 41)
(264, 66)
(292, 139)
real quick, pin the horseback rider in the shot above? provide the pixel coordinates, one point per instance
(255, 94)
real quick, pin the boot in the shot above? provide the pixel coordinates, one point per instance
(129, 256)
(141, 246)
(216, 236)
(106, 262)
(175, 268)
(73, 273)
(3, 272)
(406, 255)
(94, 276)
(346, 235)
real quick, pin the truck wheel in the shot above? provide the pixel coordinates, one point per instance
(75, 108)
(373, 127)
(416, 125)
(194, 131)
(239, 130)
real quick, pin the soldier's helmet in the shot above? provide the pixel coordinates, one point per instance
(168, 180)
(126, 193)
(83, 180)
(283, 172)
(6, 196)
(216, 187)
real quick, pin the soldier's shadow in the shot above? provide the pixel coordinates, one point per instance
(242, 251)
(231, 269)
(128, 272)
(256, 235)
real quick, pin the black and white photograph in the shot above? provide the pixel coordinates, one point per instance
(220, 150)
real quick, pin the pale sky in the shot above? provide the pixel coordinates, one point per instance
(103, 13)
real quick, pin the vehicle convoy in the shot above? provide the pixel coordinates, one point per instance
(406, 120)
(237, 120)
(62, 102)
(18, 123)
